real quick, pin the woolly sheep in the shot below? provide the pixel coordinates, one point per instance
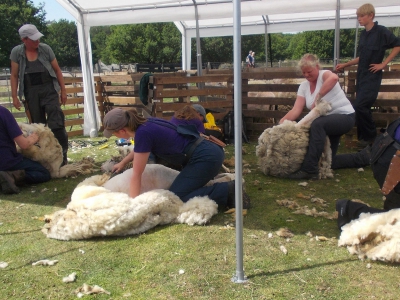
(48, 152)
(281, 149)
(102, 207)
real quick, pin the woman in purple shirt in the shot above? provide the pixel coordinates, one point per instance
(14, 168)
(200, 158)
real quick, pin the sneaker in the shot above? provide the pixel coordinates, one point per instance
(341, 208)
(300, 174)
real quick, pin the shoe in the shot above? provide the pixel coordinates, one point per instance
(341, 208)
(231, 197)
(300, 174)
(364, 143)
(8, 183)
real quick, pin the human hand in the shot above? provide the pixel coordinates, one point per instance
(63, 97)
(376, 67)
(33, 138)
(117, 168)
(340, 67)
(17, 103)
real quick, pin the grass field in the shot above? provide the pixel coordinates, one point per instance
(198, 262)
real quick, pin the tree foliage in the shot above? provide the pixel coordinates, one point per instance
(63, 39)
(14, 14)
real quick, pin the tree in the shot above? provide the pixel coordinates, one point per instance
(14, 14)
(63, 39)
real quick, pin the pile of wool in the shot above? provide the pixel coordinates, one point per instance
(281, 149)
(374, 236)
(102, 207)
(48, 152)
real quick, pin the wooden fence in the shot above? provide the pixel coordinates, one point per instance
(267, 94)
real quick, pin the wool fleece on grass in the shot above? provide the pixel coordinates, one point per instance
(102, 207)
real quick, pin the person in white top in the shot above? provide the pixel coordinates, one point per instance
(320, 84)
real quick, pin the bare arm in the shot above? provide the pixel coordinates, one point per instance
(139, 164)
(60, 80)
(347, 64)
(377, 67)
(26, 142)
(14, 85)
(295, 112)
(329, 80)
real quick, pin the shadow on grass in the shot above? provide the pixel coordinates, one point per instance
(283, 272)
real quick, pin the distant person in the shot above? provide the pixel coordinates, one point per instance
(253, 63)
(14, 168)
(34, 66)
(374, 41)
(191, 114)
(249, 59)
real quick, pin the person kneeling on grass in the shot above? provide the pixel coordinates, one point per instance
(14, 168)
(201, 159)
(385, 164)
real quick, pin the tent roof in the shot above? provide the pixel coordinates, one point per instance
(216, 16)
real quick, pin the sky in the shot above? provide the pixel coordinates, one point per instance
(54, 11)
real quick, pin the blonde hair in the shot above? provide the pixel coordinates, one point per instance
(134, 119)
(366, 9)
(187, 113)
(308, 60)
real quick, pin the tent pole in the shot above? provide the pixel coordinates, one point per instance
(237, 78)
(336, 52)
(266, 22)
(91, 116)
(356, 39)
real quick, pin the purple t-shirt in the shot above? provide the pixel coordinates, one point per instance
(9, 130)
(159, 139)
(196, 122)
(397, 134)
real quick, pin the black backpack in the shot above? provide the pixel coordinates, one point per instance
(229, 128)
(144, 87)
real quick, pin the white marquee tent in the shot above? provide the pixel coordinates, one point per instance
(207, 18)
(213, 18)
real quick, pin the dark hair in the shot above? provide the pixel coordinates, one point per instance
(187, 113)
(134, 119)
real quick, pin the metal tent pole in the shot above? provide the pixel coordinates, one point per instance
(237, 42)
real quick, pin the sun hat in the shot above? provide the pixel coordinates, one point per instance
(30, 31)
(114, 120)
(200, 109)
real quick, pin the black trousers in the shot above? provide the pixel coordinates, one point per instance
(333, 126)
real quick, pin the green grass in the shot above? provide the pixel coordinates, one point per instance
(147, 266)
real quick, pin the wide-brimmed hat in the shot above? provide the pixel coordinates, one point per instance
(114, 120)
(200, 109)
(30, 31)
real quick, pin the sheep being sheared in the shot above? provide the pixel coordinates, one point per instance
(281, 149)
(374, 236)
(48, 152)
(102, 207)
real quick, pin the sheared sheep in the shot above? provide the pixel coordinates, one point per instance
(281, 149)
(48, 152)
(374, 236)
(102, 207)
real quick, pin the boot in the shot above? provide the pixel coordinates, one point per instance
(10, 179)
(61, 135)
(231, 196)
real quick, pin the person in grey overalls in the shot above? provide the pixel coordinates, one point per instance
(35, 67)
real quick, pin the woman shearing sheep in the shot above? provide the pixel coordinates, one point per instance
(320, 84)
(200, 158)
